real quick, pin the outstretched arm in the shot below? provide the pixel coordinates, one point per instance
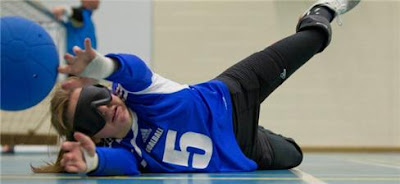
(126, 69)
(83, 157)
(80, 156)
(88, 63)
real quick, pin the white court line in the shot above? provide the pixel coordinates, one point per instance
(375, 164)
(308, 178)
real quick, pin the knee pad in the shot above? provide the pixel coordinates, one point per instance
(316, 22)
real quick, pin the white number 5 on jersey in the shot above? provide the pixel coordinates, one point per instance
(188, 139)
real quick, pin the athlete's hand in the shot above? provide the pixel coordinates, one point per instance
(73, 160)
(77, 64)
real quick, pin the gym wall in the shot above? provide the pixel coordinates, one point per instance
(347, 96)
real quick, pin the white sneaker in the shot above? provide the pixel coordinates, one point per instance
(338, 6)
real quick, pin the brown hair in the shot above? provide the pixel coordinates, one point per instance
(58, 108)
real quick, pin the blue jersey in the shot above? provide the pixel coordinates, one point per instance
(76, 35)
(176, 128)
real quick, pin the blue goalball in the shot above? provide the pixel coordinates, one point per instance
(29, 62)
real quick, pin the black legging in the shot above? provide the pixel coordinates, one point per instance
(252, 80)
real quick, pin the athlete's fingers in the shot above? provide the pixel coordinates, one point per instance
(75, 166)
(68, 145)
(65, 69)
(88, 44)
(68, 85)
(77, 50)
(85, 142)
(69, 58)
(68, 157)
(71, 168)
(81, 137)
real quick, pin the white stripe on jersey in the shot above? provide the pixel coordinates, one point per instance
(159, 85)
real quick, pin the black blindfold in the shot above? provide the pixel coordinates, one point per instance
(87, 118)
